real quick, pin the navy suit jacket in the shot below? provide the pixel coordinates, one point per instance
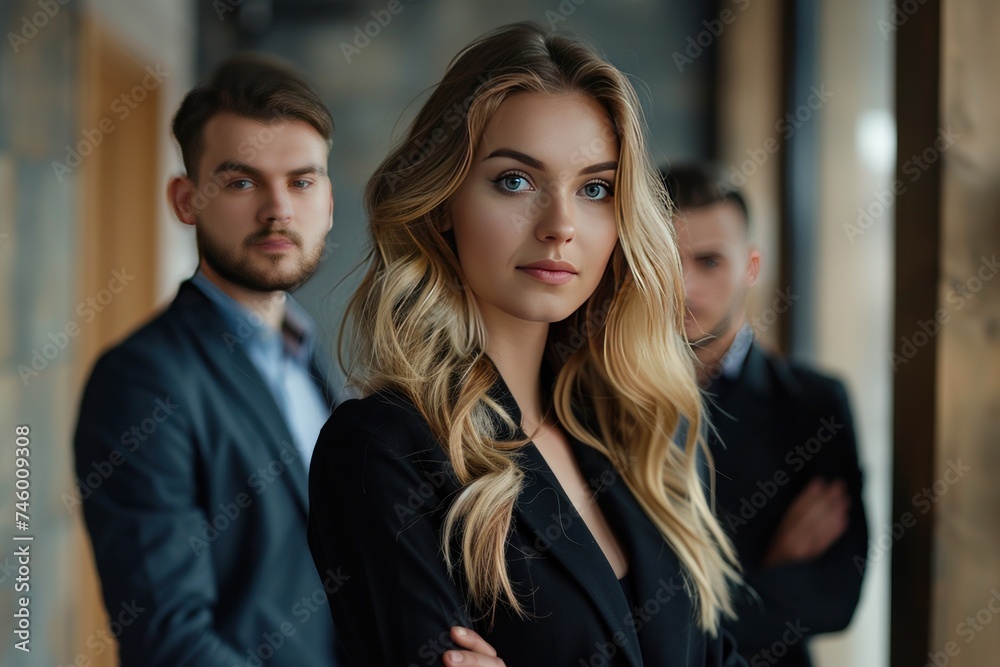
(380, 485)
(195, 499)
(780, 426)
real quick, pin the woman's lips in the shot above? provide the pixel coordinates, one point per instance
(548, 276)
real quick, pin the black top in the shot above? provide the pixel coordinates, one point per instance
(626, 584)
(380, 485)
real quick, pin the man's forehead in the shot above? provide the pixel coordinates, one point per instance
(714, 224)
(282, 145)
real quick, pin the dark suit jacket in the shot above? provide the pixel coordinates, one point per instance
(379, 487)
(781, 425)
(196, 501)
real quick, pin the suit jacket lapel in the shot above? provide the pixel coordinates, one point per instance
(242, 383)
(547, 510)
(663, 610)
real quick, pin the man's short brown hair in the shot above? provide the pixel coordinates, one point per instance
(696, 185)
(253, 86)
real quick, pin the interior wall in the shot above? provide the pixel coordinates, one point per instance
(853, 299)
(749, 103)
(165, 34)
(37, 264)
(44, 150)
(966, 565)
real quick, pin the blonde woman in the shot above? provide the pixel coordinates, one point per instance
(518, 340)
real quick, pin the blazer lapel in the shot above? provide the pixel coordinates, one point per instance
(663, 610)
(547, 510)
(243, 384)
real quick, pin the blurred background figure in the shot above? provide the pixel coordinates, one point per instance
(788, 485)
(198, 429)
(838, 120)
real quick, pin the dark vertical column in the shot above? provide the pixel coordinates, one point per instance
(799, 135)
(918, 275)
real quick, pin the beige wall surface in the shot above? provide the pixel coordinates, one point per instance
(966, 593)
(42, 257)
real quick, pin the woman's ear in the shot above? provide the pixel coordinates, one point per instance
(180, 196)
(444, 224)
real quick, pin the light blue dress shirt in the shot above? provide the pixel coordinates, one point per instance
(282, 358)
(732, 360)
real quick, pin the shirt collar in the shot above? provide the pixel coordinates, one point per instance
(732, 360)
(298, 329)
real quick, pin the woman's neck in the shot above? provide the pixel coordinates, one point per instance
(517, 348)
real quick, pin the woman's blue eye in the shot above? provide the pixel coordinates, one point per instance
(596, 191)
(513, 183)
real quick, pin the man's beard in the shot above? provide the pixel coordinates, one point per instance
(705, 338)
(237, 266)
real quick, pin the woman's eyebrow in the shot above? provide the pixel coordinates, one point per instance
(535, 163)
(611, 165)
(516, 155)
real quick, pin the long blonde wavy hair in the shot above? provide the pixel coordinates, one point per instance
(622, 358)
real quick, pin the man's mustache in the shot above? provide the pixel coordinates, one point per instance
(272, 232)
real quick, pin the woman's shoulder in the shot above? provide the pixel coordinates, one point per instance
(387, 421)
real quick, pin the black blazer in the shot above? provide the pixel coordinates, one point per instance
(195, 500)
(780, 426)
(379, 487)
